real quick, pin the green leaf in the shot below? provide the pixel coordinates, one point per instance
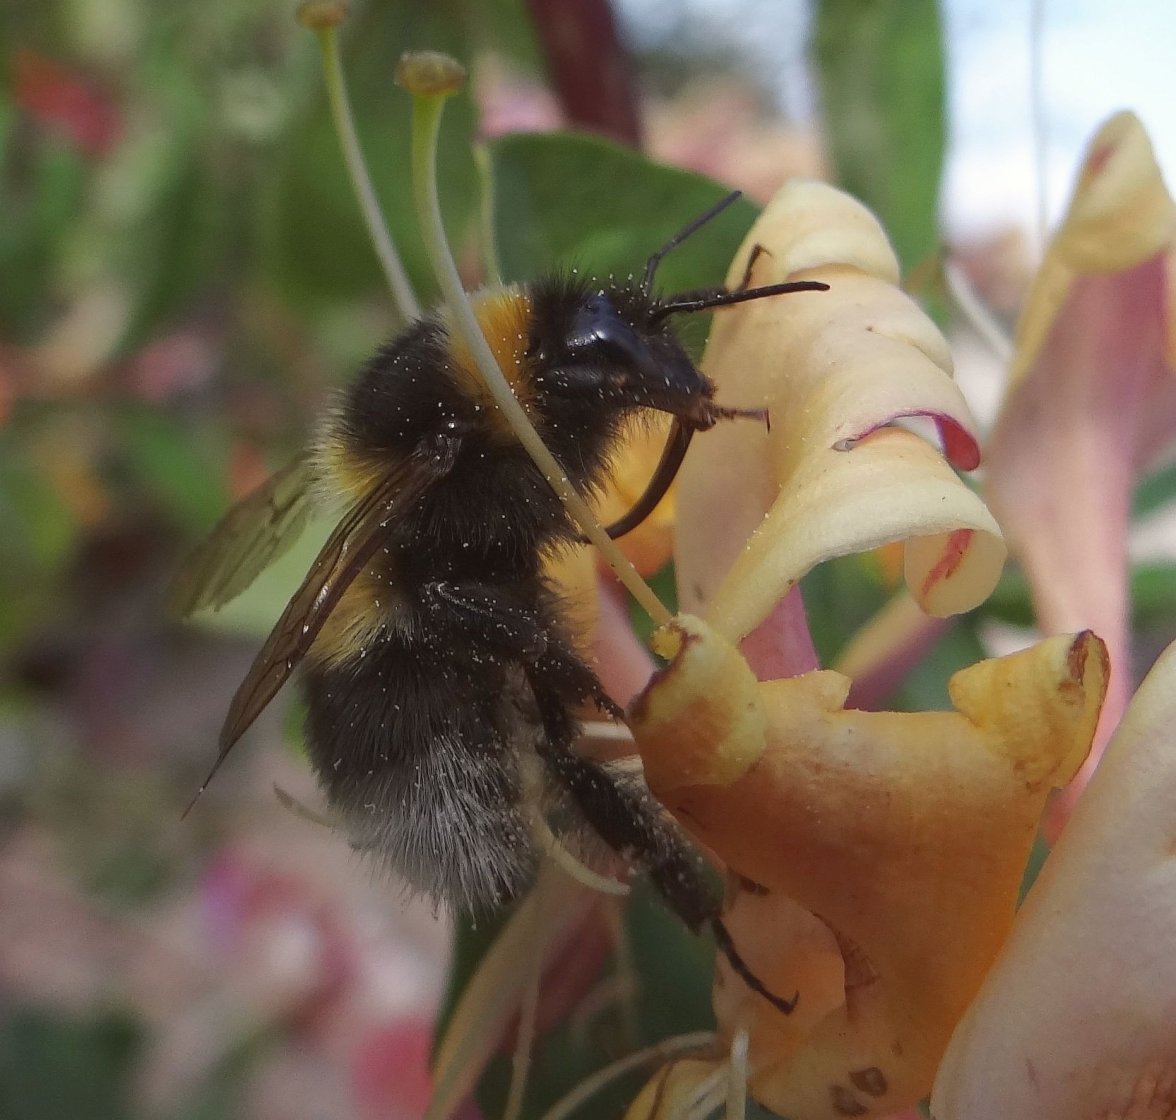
(44, 184)
(38, 531)
(181, 463)
(1011, 601)
(316, 247)
(1155, 491)
(840, 596)
(1152, 596)
(565, 200)
(54, 1068)
(880, 65)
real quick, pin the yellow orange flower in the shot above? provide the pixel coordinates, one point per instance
(884, 850)
(1078, 1018)
(877, 856)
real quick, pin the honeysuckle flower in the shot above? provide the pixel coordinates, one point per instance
(876, 857)
(1077, 1020)
(1091, 400)
(879, 854)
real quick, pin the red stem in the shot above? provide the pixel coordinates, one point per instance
(588, 66)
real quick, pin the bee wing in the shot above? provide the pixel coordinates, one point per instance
(250, 537)
(348, 549)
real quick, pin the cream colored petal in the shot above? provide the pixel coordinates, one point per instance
(1078, 1016)
(833, 369)
(1121, 215)
(905, 834)
(810, 224)
(891, 486)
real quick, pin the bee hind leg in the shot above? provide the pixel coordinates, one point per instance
(624, 815)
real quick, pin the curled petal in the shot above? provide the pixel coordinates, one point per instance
(891, 486)
(905, 835)
(1091, 399)
(1121, 215)
(1078, 1016)
(835, 370)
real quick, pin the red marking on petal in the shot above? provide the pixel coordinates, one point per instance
(960, 447)
(950, 560)
(1099, 158)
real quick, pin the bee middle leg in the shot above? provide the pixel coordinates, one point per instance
(495, 616)
(513, 623)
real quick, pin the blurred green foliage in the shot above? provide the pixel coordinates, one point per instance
(53, 1068)
(881, 73)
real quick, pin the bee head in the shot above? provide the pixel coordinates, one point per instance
(600, 348)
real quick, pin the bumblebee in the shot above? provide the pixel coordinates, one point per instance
(440, 671)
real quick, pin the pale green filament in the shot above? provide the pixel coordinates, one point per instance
(402, 293)
(528, 1014)
(701, 1042)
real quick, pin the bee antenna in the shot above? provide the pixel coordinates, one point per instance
(681, 235)
(708, 300)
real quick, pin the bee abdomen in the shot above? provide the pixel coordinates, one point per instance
(418, 756)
